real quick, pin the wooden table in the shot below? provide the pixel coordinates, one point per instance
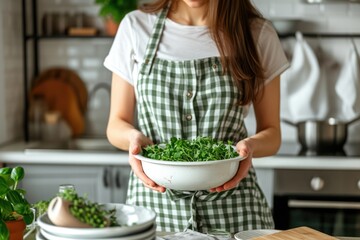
(32, 236)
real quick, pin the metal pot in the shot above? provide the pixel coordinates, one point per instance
(326, 135)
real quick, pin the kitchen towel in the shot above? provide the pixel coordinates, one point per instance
(347, 87)
(302, 89)
(193, 235)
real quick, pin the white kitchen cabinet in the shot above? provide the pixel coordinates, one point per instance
(266, 181)
(102, 184)
(120, 180)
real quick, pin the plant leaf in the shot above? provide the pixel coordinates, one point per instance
(28, 218)
(4, 188)
(4, 232)
(17, 173)
(116, 9)
(5, 171)
(21, 191)
(15, 197)
(6, 207)
(25, 211)
(21, 208)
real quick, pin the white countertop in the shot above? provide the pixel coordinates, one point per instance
(19, 152)
(306, 162)
(15, 153)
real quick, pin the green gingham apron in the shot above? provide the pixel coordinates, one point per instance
(186, 99)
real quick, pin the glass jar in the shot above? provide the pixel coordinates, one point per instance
(66, 186)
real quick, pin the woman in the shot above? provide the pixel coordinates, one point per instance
(192, 68)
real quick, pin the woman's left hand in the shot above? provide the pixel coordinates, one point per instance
(244, 149)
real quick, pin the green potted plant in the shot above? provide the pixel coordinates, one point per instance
(15, 211)
(113, 11)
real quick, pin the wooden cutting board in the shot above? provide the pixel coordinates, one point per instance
(299, 233)
(61, 97)
(69, 77)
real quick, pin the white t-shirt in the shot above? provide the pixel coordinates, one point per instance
(183, 42)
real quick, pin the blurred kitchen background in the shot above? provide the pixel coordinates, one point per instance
(53, 86)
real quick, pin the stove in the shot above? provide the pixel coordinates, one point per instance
(295, 149)
(326, 200)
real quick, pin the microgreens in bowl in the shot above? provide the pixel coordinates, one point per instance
(198, 149)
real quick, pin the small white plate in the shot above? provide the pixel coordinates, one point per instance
(148, 234)
(248, 234)
(132, 219)
(41, 237)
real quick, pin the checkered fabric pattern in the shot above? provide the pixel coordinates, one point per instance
(185, 99)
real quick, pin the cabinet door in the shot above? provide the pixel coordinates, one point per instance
(120, 185)
(266, 182)
(41, 182)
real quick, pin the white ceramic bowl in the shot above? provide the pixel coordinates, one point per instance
(190, 176)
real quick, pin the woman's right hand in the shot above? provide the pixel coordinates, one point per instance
(137, 141)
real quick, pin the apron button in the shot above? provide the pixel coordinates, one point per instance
(188, 117)
(147, 61)
(214, 66)
(189, 94)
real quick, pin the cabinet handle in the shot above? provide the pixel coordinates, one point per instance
(118, 179)
(323, 204)
(106, 178)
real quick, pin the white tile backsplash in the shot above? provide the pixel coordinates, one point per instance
(11, 68)
(354, 10)
(3, 120)
(310, 10)
(325, 17)
(335, 9)
(263, 6)
(342, 25)
(283, 8)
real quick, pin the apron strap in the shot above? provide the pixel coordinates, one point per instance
(153, 43)
(194, 222)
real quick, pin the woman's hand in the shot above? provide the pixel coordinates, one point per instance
(137, 141)
(244, 148)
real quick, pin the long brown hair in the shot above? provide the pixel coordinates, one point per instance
(230, 22)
